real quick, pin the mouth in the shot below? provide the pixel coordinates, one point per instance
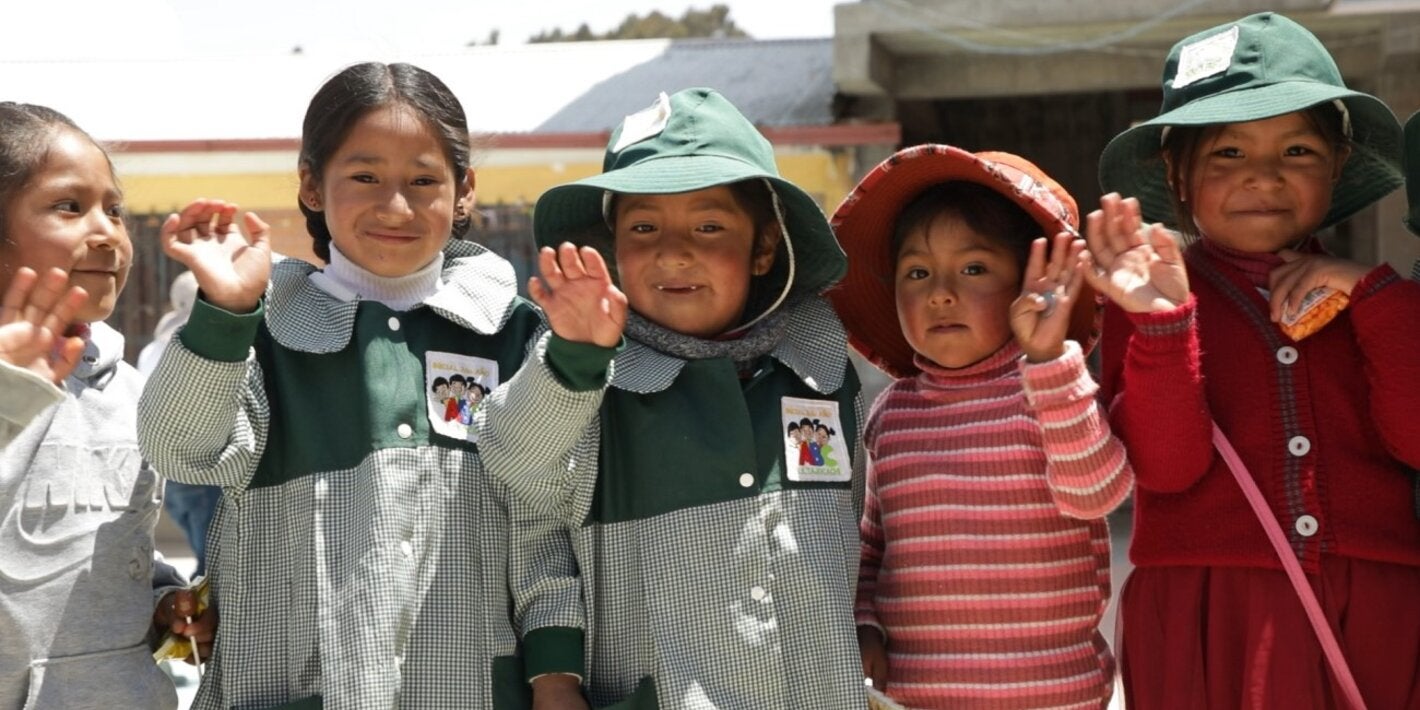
(110, 273)
(947, 328)
(393, 237)
(1261, 212)
(676, 289)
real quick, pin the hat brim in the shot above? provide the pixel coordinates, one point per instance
(1132, 164)
(866, 300)
(1411, 160)
(573, 212)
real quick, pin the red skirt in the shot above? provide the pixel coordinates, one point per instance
(1237, 637)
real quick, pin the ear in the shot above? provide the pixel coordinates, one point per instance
(1168, 178)
(309, 191)
(465, 193)
(763, 258)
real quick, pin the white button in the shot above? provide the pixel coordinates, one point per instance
(404, 430)
(406, 548)
(1286, 354)
(757, 593)
(1306, 526)
(394, 323)
(1299, 445)
(746, 479)
(399, 661)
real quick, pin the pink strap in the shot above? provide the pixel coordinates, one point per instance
(1339, 669)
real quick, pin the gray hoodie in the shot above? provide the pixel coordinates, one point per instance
(78, 573)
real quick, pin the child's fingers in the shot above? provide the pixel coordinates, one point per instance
(66, 309)
(1035, 262)
(66, 357)
(46, 295)
(538, 292)
(1164, 244)
(258, 232)
(225, 216)
(594, 263)
(1096, 238)
(1287, 290)
(1059, 248)
(571, 261)
(12, 308)
(1094, 276)
(548, 267)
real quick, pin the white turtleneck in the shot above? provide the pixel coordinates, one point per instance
(347, 281)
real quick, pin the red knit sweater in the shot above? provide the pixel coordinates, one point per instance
(1328, 426)
(985, 555)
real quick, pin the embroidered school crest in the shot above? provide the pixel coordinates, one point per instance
(814, 446)
(454, 387)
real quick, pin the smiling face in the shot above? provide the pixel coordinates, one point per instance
(389, 192)
(1262, 185)
(954, 290)
(70, 215)
(685, 260)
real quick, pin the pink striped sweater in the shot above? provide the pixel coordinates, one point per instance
(985, 552)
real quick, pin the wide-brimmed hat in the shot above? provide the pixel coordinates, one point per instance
(866, 220)
(1261, 66)
(693, 140)
(1412, 172)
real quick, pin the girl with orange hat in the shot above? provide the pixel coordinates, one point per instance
(985, 559)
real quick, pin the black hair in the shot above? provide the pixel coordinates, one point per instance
(26, 131)
(476, 385)
(806, 422)
(793, 426)
(457, 378)
(1183, 142)
(356, 91)
(826, 429)
(438, 381)
(986, 211)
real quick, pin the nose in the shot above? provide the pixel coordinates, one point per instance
(943, 292)
(106, 231)
(673, 248)
(1266, 172)
(395, 208)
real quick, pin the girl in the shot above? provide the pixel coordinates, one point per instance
(985, 564)
(683, 559)
(1258, 146)
(78, 574)
(358, 553)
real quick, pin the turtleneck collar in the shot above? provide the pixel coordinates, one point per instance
(945, 380)
(1255, 266)
(345, 280)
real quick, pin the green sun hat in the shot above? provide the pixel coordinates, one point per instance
(693, 140)
(1412, 172)
(1261, 66)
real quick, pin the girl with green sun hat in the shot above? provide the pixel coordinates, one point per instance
(1259, 145)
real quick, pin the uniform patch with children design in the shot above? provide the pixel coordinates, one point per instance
(455, 386)
(814, 449)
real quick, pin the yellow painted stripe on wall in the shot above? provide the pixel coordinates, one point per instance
(822, 174)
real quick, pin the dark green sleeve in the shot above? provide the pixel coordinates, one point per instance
(581, 367)
(553, 649)
(221, 335)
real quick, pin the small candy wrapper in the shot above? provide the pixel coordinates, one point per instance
(175, 647)
(1317, 309)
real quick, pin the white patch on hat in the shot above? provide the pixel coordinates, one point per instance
(1205, 58)
(646, 123)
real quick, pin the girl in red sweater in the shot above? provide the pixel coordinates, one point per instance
(1259, 146)
(985, 564)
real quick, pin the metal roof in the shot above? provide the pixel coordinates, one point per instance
(545, 88)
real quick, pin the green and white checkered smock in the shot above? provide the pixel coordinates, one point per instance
(359, 556)
(671, 549)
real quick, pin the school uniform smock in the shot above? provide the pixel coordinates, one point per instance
(1326, 426)
(359, 554)
(78, 574)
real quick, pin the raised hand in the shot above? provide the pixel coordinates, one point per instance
(34, 314)
(1301, 273)
(1040, 318)
(1139, 268)
(231, 269)
(576, 293)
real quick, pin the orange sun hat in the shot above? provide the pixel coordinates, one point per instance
(864, 223)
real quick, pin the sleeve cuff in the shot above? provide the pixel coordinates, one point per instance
(1165, 329)
(553, 649)
(217, 334)
(1060, 381)
(581, 367)
(27, 394)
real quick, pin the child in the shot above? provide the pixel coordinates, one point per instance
(78, 574)
(695, 568)
(985, 565)
(1259, 144)
(359, 549)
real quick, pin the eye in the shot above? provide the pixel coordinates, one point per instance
(710, 228)
(116, 210)
(70, 206)
(1228, 152)
(641, 228)
(425, 181)
(974, 269)
(1299, 151)
(366, 178)
(915, 273)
